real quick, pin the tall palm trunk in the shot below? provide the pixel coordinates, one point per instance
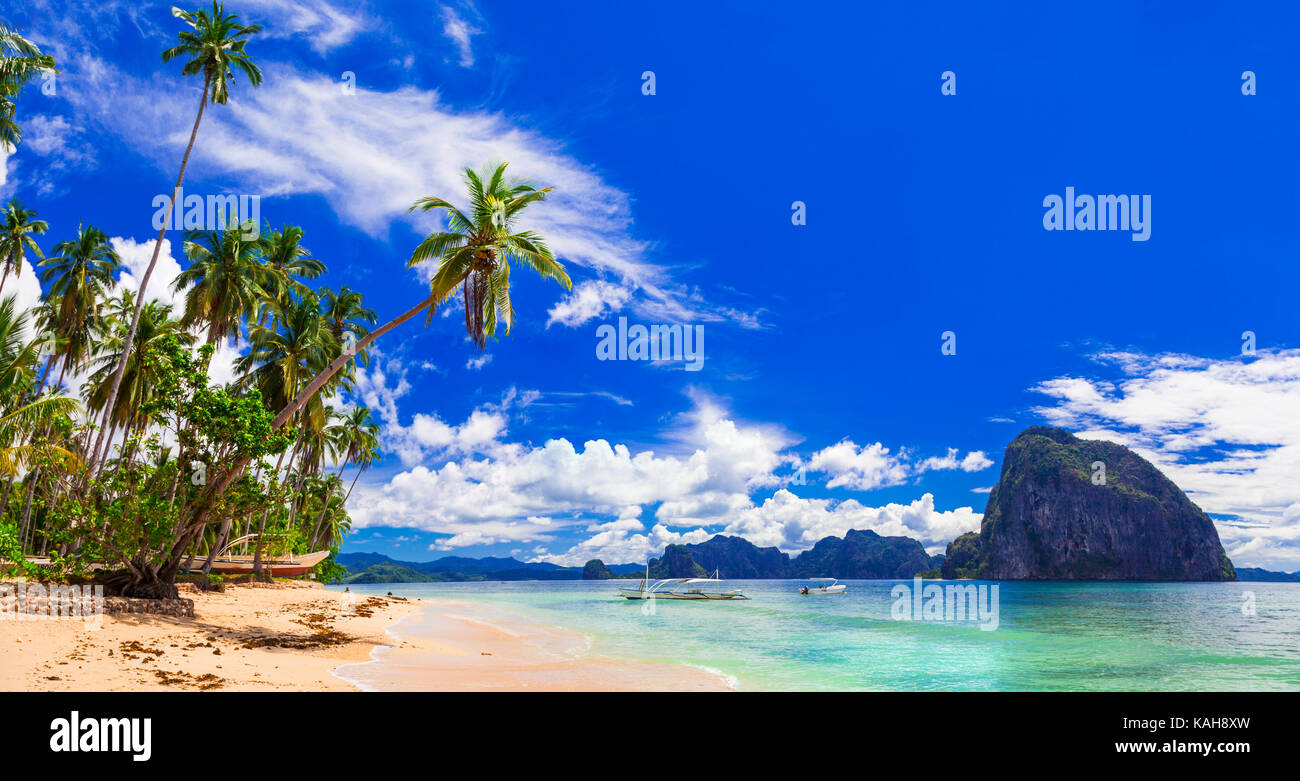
(261, 527)
(144, 283)
(326, 504)
(354, 485)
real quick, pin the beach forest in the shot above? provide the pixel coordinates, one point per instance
(153, 467)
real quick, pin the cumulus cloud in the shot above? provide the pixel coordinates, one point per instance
(588, 301)
(1225, 431)
(792, 523)
(707, 474)
(135, 256)
(876, 466)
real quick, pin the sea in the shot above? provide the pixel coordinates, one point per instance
(1047, 636)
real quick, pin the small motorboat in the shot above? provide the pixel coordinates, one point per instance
(832, 586)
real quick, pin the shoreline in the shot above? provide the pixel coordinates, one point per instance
(457, 645)
(301, 636)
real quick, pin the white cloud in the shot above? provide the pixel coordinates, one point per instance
(478, 362)
(1225, 431)
(973, 461)
(460, 33)
(323, 25)
(876, 466)
(705, 477)
(792, 523)
(135, 256)
(587, 301)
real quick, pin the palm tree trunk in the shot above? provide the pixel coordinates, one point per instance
(4, 278)
(326, 505)
(320, 379)
(144, 283)
(27, 505)
(257, 551)
(354, 485)
(4, 503)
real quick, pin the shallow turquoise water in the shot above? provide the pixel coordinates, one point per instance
(1050, 636)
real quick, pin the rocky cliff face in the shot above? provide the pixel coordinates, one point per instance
(1048, 520)
(862, 554)
(737, 557)
(675, 563)
(858, 555)
(596, 570)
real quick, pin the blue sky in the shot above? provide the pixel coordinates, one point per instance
(824, 402)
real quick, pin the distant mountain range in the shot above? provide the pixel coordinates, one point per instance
(1255, 574)
(858, 555)
(378, 568)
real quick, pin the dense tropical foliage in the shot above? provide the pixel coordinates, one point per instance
(121, 458)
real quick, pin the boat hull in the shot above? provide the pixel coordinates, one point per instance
(288, 568)
(628, 593)
(823, 592)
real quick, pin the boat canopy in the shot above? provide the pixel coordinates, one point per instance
(831, 579)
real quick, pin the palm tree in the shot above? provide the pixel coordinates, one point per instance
(345, 315)
(20, 224)
(356, 433)
(20, 61)
(213, 45)
(282, 357)
(475, 254)
(222, 280)
(80, 274)
(140, 380)
(286, 261)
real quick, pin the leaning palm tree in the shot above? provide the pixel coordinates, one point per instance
(20, 224)
(20, 61)
(474, 255)
(213, 45)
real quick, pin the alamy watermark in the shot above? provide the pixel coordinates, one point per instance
(95, 735)
(36, 602)
(1098, 213)
(211, 212)
(658, 342)
(951, 602)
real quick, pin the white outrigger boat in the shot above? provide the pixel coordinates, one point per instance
(832, 587)
(678, 588)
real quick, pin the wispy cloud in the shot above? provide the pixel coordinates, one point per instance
(460, 33)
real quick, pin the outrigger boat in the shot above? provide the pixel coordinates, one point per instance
(283, 565)
(678, 588)
(833, 587)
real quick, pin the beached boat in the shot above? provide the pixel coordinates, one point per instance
(678, 588)
(284, 565)
(831, 587)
